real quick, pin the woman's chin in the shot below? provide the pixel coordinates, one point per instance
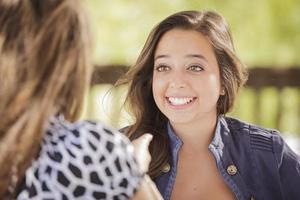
(180, 119)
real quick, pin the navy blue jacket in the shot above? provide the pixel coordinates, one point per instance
(254, 162)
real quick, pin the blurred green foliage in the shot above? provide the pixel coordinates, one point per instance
(265, 32)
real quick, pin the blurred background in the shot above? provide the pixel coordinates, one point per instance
(266, 34)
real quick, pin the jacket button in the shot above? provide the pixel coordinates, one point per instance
(231, 170)
(166, 168)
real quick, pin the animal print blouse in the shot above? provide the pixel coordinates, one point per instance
(83, 160)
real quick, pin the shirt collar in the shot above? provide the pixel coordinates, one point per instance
(217, 141)
(217, 138)
(173, 138)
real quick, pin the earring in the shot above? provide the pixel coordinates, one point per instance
(222, 92)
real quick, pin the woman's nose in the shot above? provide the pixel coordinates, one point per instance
(177, 81)
(176, 85)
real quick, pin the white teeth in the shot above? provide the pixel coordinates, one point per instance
(179, 101)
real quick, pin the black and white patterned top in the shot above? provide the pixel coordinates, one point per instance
(83, 160)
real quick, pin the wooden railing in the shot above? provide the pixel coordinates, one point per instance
(259, 79)
(280, 79)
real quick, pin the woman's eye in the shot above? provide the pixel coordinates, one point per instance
(195, 68)
(162, 68)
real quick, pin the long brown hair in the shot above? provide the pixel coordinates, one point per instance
(44, 70)
(139, 77)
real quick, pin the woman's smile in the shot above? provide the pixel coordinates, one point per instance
(180, 102)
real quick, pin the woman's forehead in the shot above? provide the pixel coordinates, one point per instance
(187, 43)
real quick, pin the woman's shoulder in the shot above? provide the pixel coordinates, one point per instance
(262, 141)
(237, 125)
(82, 160)
(260, 138)
(271, 157)
(92, 135)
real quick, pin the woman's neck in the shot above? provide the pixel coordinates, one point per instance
(197, 135)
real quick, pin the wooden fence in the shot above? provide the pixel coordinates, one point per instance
(259, 79)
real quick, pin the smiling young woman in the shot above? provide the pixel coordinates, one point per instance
(185, 80)
(186, 87)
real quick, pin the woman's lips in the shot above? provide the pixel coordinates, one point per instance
(180, 102)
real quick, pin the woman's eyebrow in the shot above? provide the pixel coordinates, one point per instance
(161, 56)
(197, 56)
(200, 56)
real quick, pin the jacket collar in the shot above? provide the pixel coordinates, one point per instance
(221, 132)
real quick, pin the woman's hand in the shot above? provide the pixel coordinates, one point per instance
(141, 151)
(147, 189)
